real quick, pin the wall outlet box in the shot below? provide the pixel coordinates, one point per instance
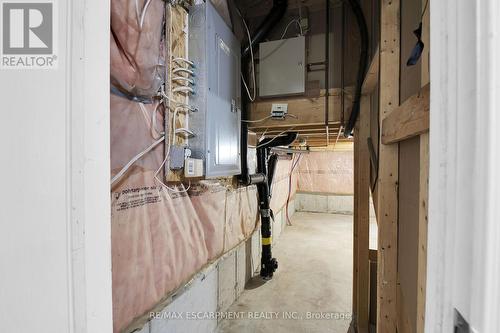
(279, 111)
(177, 155)
(193, 168)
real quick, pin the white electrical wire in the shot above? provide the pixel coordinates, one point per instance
(250, 96)
(162, 95)
(183, 78)
(183, 89)
(176, 110)
(186, 131)
(275, 137)
(183, 60)
(183, 70)
(167, 155)
(257, 121)
(262, 136)
(154, 133)
(288, 25)
(141, 16)
(135, 159)
(173, 123)
(151, 122)
(145, 114)
(269, 117)
(291, 115)
(137, 13)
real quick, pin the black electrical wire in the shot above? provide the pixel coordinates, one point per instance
(363, 63)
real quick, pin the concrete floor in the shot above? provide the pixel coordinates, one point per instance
(314, 279)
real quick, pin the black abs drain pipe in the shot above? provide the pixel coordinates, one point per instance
(268, 264)
(268, 23)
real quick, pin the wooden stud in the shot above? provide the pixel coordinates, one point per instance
(422, 231)
(404, 322)
(388, 170)
(355, 257)
(371, 78)
(408, 120)
(362, 196)
(423, 185)
(176, 46)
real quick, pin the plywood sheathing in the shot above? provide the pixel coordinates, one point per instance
(176, 46)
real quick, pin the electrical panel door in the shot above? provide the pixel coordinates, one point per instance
(215, 52)
(282, 67)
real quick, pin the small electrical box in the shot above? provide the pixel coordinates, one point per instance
(177, 156)
(193, 168)
(282, 67)
(279, 111)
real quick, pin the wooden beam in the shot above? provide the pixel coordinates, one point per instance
(278, 125)
(362, 220)
(423, 186)
(371, 78)
(304, 131)
(387, 187)
(176, 18)
(265, 6)
(404, 322)
(306, 110)
(408, 120)
(422, 231)
(355, 233)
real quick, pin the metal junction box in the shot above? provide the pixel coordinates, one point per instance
(216, 54)
(282, 67)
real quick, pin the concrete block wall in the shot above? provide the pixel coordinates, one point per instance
(216, 288)
(212, 291)
(326, 203)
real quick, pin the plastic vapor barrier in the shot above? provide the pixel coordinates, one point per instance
(160, 237)
(137, 53)
(284, 183)
(327, 172)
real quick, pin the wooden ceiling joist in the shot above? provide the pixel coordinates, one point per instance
(301, 131)
(264, 6)
(279, 125)
(303, 111)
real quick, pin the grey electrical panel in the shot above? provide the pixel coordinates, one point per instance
(282, 67)
(215, 52)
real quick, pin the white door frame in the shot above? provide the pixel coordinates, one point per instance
(464, 220)
(89, 138)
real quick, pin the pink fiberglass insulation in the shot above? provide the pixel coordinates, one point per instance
(281, 181)
(326, 172)
(137, 53)
(160, 238)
